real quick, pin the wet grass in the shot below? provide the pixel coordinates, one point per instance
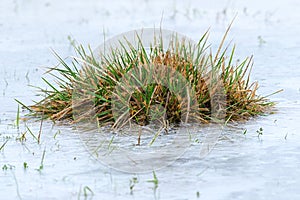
(154, 180)
(18, 117)
(197, 64)
(87, 192)
(31, 133)
(155, 184)
(2, 146)
(41, 167)
(17, 185)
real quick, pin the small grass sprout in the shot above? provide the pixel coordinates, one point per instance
(25, 165)
(22, 137)
(87, 190)
(132, 183)
(285, 137)
(259, 132)
(6, 167)
(154, 180)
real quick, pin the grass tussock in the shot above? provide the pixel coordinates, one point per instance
(90, 82)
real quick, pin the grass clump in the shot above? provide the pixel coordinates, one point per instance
(96, 79)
